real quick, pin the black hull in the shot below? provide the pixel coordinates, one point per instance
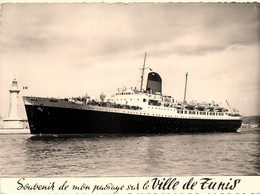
(54, 120)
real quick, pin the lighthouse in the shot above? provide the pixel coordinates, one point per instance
(13, 120)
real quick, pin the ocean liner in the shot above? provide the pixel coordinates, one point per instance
(129, 111)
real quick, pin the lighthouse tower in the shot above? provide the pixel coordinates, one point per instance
(13, 120)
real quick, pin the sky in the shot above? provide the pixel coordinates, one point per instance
(70, 49)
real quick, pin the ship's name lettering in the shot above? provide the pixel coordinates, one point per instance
(108, 186)
(164, 184)
(208, 183)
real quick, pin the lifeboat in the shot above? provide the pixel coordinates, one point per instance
(178, 106)
(200, 107)
(210, 108)
(219, 109)
(190, 106)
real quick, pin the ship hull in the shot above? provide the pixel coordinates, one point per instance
(58, 120)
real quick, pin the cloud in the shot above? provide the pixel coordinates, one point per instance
(95, 29)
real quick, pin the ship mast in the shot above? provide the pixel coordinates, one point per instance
(184, 99)
(142, 76)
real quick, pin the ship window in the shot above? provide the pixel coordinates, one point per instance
(154, 103)
(144, 100)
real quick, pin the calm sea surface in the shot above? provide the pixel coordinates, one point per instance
(149, 155)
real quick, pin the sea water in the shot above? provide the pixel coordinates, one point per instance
(212, 154)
